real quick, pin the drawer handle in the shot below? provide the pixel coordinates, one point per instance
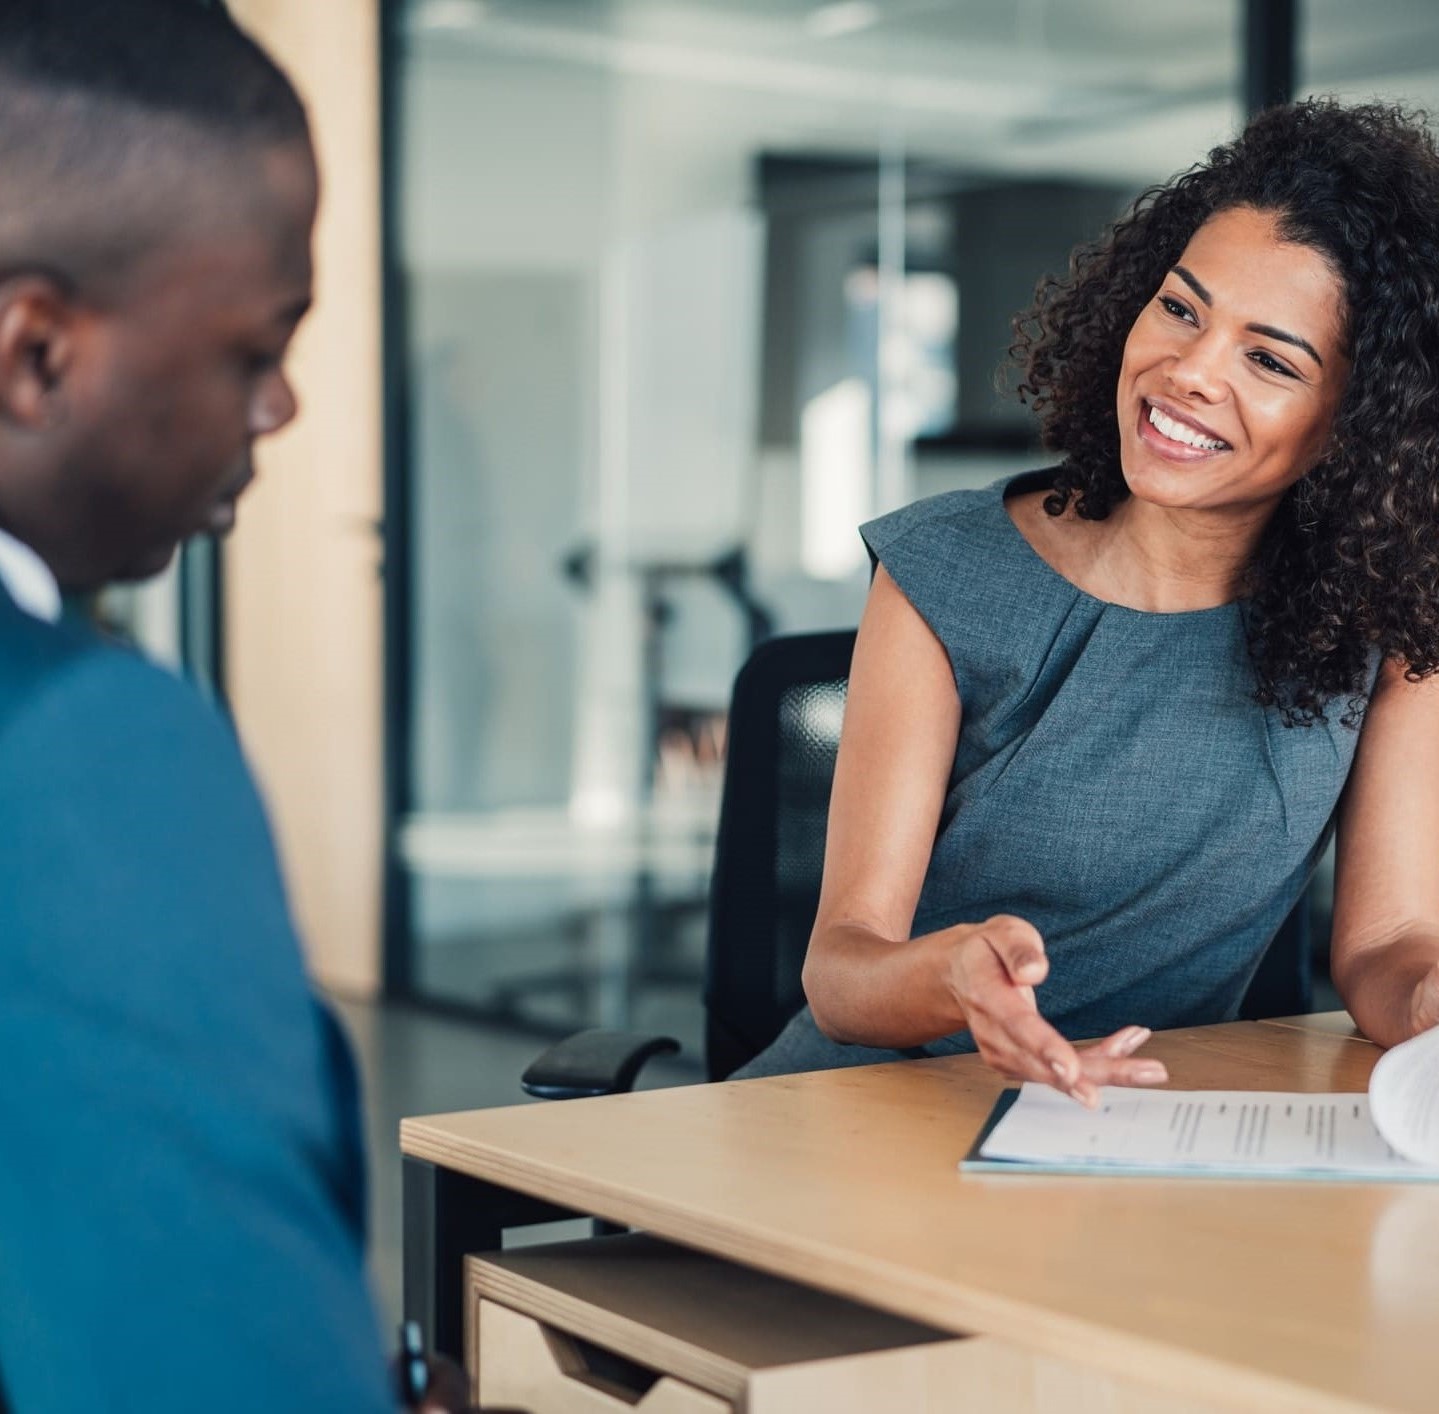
(522, 1363)
(601, 1369)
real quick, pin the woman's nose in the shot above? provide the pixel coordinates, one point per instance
(1198, 369)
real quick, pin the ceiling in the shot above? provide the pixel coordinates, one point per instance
(1112, 87)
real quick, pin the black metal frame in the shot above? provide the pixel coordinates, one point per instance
(1270, 52)
(448, 1217)
(202, 615)
(397, 940)
(398, 973)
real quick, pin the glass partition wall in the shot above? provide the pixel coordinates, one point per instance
(690, 290)
(684, 292)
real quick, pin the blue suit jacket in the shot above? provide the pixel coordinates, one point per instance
(181, 1182)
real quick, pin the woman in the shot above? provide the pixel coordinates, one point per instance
(1102, 719)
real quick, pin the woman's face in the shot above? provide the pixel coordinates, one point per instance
(1234, 371)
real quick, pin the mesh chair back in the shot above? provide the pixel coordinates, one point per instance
(784, 727)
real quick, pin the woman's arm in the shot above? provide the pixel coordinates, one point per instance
(866, 982)
(1385, 953)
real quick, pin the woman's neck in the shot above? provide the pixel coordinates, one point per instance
(1144, 556)
(1169, 561)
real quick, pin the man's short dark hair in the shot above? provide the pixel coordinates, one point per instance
(178, 58)
(123, 123)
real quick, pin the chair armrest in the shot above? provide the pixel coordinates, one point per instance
(593, 1063)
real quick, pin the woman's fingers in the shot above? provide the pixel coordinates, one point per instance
(1026, 1047)
(1104, 1071)
(1123, 1043)
(1018, 946)
(1003, 961)
(1112, 1061)
(1018, 1042)
(1052, 1058)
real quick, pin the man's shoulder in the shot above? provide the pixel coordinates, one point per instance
(34, 655)
(66, 679)
(92, 730)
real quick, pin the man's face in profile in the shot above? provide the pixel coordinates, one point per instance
(171, 387)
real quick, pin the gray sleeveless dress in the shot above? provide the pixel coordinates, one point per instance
(1115, 783)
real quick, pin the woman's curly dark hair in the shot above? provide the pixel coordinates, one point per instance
(1349, 564)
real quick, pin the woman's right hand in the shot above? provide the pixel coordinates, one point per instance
(993, 969)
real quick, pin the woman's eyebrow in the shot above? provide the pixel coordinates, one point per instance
(1194, 285)
(1268, 330)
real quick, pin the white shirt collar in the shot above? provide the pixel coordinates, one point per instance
(28, 580)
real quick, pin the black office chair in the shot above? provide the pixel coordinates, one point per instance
(783, 737)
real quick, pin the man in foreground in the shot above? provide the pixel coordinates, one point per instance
(181, 1183)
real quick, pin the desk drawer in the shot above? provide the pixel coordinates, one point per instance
(617, 1325)
(620, 1324)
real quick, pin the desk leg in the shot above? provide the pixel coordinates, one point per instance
(446, 1217)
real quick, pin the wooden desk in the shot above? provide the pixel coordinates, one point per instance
(1261, 1295)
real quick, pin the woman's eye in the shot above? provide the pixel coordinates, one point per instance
(1270, 364)
(1170, 305)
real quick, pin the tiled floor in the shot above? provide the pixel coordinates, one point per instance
(415, 1062)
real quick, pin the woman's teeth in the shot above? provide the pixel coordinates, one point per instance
(1182, 432)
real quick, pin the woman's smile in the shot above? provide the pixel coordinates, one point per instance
(1176, 435)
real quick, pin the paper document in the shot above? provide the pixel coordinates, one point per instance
(1390, 1133)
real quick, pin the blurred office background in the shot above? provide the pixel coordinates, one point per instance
(690, 290)
(629, 312)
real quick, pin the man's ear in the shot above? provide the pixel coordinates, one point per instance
(37, 348)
